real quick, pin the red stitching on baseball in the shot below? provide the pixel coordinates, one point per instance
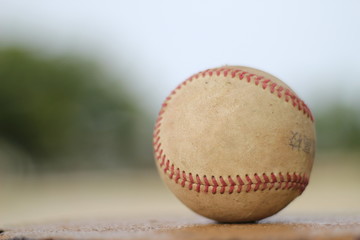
(167, 165)
(294, 181)
(287, 95)
(191, 181)
(160, 154)
(241, 183)
(215, 184)
(183, 179)
(250, 183)
(205, 72)
(248, 77)
(241, 75)
(266, 178)
(272, 87)
(257, 80)
(219, 71)
(207, 184)
(163, 160)
(279, 90)
(172, 172)
(233, 74)
(232, 185)
(156, 133)
(223, 185)
(156, 140)
(160, 118)
(300, 178)
(265, 83)
(226, 71)
(177, 175)
(157, 147)
(199, 183)
(161, 112)
(259, 183)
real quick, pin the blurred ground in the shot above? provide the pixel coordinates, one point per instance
(333, 193)
(192, 228)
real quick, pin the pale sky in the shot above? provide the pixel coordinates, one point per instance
(314, 46)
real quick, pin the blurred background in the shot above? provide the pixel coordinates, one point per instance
(81, 83)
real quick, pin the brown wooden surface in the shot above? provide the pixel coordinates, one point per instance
(192, 228)
(137, 205)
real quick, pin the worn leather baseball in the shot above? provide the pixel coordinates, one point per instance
(234, 144)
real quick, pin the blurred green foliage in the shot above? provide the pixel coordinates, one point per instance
(65, 112)
(338, 128)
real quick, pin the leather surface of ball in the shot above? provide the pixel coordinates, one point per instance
(234, 144)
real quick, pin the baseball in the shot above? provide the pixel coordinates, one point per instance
(234, 144)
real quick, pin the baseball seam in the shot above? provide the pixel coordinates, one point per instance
(279, 181)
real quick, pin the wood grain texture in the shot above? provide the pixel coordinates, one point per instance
(47, 207)
(192, 228)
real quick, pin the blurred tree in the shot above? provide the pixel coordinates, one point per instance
(338, 128)
(65, 112)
